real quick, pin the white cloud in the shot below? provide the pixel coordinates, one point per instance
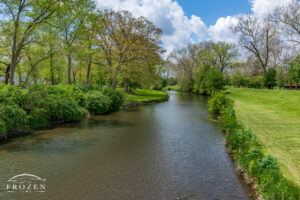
(262, 8)
(221, 30)
(178, 29)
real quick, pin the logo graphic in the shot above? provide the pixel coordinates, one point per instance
(26, 183)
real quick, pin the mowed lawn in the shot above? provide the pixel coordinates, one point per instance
(274, 117)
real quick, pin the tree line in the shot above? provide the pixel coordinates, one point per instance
(71, 41)
(265, 56)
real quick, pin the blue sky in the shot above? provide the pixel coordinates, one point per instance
(211, 10)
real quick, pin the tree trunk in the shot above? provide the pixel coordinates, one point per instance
(69, 68)
(74, 76)
(12, 69)
(51, 69)
(115, 77)
(126, 85)
(7, 72)
(88, 71)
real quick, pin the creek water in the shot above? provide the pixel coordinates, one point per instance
(164, 151)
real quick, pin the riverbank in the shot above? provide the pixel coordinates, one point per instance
(274, 117)
(45, 106)
(142, 97)
(260, 168)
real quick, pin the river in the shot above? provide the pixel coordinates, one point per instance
(163, 151)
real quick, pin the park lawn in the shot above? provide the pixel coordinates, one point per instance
(172, 87)
(144, 96)
(274, 117)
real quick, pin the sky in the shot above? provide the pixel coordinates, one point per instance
(192, 21)
(211, 10)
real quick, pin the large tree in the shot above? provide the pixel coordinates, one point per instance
(260, 38)
(71, 21)
(124, 39)
(21, 18)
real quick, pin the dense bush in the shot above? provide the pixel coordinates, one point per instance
(2, 129)
(256, 82)
(43, 105)
(116, 98)
(270, 78)
(218, 102)
(214, 81)
(237, 79)
(13, 116)
(97, 103)
(85, 88)
(248, 153)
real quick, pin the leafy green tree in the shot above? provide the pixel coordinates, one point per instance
(71, 21)
(294, 71)
(22, 18)
(270, 78)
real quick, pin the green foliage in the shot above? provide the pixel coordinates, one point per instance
(116, 97)
(218, 102)
(14, 117)
(85, 88)
(270, 78)
(256, 82)
(237, 79)
(2, 129)
(97, 103)
(294, 71)
(214, 81)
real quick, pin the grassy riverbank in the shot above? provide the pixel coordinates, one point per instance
(142, 96)
(259, 167)
(274, 117)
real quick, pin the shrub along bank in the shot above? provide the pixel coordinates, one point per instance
(247, 152)
(43, 105)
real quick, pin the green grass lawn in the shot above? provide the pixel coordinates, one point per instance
(172, 87)
(274, 116)
(144, 96)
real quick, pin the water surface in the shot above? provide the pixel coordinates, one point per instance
(157, 152)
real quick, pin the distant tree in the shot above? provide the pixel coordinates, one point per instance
(260, 38)
(224, 54)
(289, 16)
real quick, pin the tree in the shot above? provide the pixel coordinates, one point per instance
(224, 54)
(289, 17)
(125, 39)
(260, 38)
(270, 79)
(71, 21)
(22, 17)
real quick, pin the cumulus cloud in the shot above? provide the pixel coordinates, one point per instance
(262, 8)
(221, 30)
(178, 29)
